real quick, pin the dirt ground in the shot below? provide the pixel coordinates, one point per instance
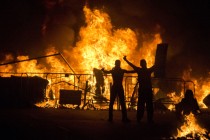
(71, 124)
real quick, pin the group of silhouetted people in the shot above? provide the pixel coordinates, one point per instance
(145, 93)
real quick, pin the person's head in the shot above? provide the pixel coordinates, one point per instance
(143, 63)
(117, 63)
(188, 94)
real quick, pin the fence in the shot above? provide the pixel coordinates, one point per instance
(93, 95)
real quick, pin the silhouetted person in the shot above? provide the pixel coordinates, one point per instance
(187, 105)
(145, 93)
(117, 90)
(100, 86)
(99, 81)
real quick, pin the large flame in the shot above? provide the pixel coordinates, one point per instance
(101, 44)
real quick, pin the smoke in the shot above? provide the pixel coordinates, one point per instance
(62, 22)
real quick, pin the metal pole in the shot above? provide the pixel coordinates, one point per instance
(29, 59)
(66, 62)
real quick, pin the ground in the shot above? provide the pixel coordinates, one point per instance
(67, 124)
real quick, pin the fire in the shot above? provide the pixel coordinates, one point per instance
(28, 66)
(191, 128)
(7, 68)
(176, 99)
(202, 90)
(101, 44)
(201, 86)
(55, 64)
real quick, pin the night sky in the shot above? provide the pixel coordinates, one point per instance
(184, 25)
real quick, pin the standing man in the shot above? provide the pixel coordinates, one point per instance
(145, 93)
(117, 90)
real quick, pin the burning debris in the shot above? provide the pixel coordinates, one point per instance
(185, 111)
(191, 129)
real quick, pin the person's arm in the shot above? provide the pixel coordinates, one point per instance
(153, 68)
(129, 63)
(106, 71)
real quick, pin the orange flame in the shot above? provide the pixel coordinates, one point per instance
(190, 126)
(202, 90)
(201, 87)
(100, 44)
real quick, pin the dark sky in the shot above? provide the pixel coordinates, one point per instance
(183, 24)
